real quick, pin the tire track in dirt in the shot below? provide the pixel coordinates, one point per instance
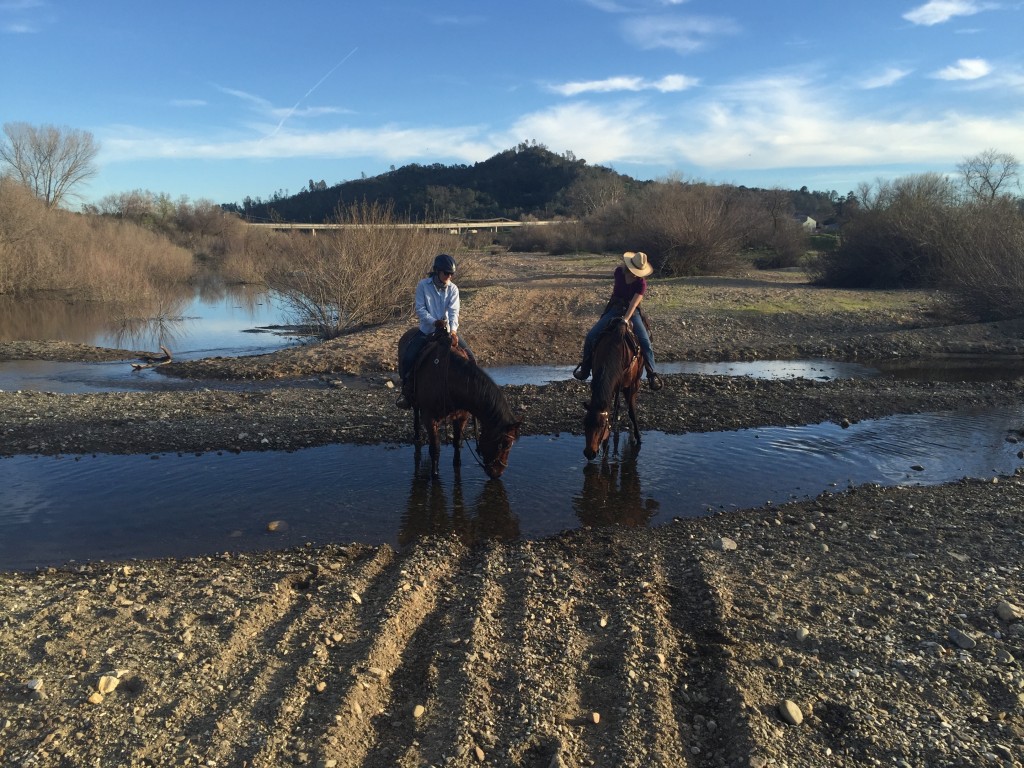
(622, 672)
(459, 709)
(711, 710)
(284, 620)
(373, 720)
(519, 649)
(647, 725)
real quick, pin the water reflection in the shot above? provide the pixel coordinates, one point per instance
(611, 493)
(429, 513)
(57, 509)
(172, 319)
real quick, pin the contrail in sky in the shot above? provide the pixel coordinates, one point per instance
(318, 84)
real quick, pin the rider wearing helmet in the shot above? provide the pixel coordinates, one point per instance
(437, 307)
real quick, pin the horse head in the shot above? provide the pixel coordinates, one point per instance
(597, 428)
(495, 445)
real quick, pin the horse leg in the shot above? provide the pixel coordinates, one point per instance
(458, 426)
(631, 396)
(434, 438)
(614, 427)
(416, 430)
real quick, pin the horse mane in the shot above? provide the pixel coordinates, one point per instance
(488, 398)
(606, 377)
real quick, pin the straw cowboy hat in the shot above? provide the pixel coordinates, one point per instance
(636, 262)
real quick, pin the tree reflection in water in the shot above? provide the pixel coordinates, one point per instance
(611, 493)
(428, 512)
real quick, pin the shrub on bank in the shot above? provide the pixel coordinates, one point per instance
(919, 232)
(343, 279)
(49, 249)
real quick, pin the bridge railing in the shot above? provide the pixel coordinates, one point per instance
(453, 227)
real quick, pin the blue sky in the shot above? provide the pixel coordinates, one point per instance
(223, 99)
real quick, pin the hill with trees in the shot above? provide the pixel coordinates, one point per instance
(526, 181)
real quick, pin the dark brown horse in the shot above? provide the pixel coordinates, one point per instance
(617, 365)
(450, 387)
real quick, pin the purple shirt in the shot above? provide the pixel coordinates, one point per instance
(626, 291)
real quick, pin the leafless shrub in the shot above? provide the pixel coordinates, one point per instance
(22, 228)
(49, 249)
(983, 264)
(562, 238)
(899, 236)
(685, 228)
(339, 280)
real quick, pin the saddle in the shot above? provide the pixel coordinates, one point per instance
(620, 306)
(438, 343)
(631, 340)
(629, 335)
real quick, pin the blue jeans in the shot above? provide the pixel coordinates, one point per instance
(639, 330)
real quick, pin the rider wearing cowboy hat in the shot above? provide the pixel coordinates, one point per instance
(628, 290)
(437, 306)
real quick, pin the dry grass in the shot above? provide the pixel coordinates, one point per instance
(92, 258)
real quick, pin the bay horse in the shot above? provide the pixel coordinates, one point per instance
(448, 386)
(617, 366)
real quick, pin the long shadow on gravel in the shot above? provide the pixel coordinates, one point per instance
(709, 704)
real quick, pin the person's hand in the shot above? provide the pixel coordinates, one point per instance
(455, 339)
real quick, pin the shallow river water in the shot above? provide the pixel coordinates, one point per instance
(53, 510)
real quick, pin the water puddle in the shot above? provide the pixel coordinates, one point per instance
(118, 376)
(822, 370)
(54, 510)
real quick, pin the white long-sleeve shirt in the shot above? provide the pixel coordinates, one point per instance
(433, 303)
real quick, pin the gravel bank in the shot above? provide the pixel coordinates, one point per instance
(874, 627)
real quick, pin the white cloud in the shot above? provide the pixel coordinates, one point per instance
(890, 76)
(667, 84)
(684, 34)
(939, 11)
(965, 69)
(763, 124)
(125, 143)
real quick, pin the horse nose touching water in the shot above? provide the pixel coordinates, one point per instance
(448, 386)
(617, 366)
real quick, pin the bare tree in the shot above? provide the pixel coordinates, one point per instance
(49, 160)
(593, 190)
(990, 174)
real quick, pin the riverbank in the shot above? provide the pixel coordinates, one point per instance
(879, 626)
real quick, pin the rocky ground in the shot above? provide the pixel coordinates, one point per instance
(879, 626)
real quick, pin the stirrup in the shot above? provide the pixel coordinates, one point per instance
(403, 401)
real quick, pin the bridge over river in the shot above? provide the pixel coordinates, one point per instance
(452, 227)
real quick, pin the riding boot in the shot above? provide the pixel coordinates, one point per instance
(582, 371)
(653, 379)
(405, 399)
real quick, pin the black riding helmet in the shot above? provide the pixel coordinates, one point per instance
(444, 263)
